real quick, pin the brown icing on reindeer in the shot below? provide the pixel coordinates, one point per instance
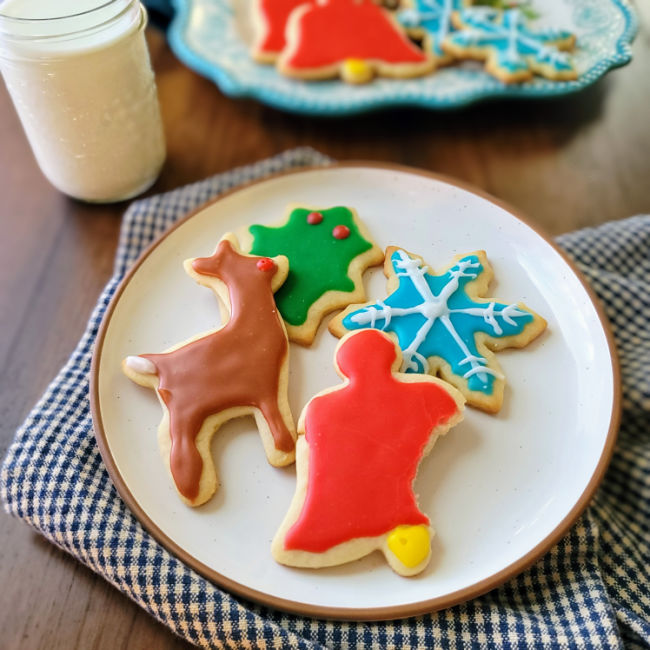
(236, 366)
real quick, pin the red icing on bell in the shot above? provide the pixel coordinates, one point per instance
(314, 218)
(341, 232)
(265, 264)
(366, 439)
(272, 23)
(331, 31)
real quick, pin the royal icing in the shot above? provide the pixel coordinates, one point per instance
(410, 544)
(366, 440)
(138, 364)
(340, 232)
(318, 259)
(513, 45)
(265, 264)
(434, 18)
(271, 23)
(236, 366)
(433, 316)
(332, 31)
(356, 71)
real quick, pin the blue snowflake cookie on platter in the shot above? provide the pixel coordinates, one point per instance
(431, 20)
(512, 51)
(444, 325)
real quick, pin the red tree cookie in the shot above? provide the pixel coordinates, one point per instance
(358, 459)
(238, 369)
(351, 38)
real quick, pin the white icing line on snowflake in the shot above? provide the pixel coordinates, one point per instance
(508, 314)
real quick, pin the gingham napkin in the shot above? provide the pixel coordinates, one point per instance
(592, 590)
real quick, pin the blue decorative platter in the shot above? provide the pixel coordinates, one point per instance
(213, 37)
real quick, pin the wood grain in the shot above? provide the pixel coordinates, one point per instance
(566, 163)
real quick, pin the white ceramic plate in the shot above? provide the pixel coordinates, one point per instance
(499, 489)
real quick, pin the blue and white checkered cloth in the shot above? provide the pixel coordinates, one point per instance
(592, 590)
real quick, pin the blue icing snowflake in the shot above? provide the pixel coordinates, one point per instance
(434, 17)
(515, 47)
(433, 316)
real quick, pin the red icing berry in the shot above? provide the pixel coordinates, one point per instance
(265, 264)
(341, 232)
(314, 217)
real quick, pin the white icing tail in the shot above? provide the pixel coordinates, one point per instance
(141, 365)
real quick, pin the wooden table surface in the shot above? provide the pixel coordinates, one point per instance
(565, 163)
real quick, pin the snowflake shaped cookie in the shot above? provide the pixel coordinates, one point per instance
(431, 20)
(443, 325)
(511, 50)
(328, 251)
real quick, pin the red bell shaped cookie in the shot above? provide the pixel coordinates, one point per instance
(270, 20)
(353, 39)
(357, 460)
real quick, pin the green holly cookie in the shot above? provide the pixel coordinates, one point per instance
(328, 251)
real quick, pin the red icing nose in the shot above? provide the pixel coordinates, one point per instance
(341, 232)
(265, 264)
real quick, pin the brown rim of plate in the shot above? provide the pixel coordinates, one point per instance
(344, 613)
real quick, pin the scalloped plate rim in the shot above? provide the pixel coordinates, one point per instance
(278, 99)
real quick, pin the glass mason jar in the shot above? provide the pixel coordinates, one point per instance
(80, 77)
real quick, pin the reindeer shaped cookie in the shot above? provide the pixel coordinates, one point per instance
(239, 369)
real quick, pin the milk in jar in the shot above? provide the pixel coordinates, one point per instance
(79, 74)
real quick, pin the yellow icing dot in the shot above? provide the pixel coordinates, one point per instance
(356, 71)
(410, 544)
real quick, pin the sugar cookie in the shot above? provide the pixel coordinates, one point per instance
(431, 21)
(512, 52)
(328, 251)
(357, 460)
(238, 369)
(353, 39)
(444, 324)
(270, 22)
